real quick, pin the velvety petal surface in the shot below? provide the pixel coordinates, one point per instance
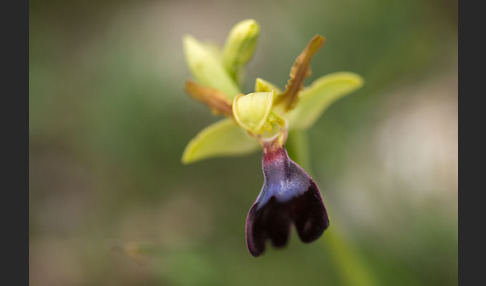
(289, 196)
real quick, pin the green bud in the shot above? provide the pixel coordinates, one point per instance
(207, 69)
(239, 47)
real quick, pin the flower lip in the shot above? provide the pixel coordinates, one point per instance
(289, 196)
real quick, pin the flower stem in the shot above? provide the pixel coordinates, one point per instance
(297, 148)
(348, 261)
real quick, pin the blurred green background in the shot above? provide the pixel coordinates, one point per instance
(111, 204)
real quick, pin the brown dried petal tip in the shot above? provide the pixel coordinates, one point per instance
(217, 101)
(299, 71)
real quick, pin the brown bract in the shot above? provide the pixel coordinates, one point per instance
(217, 101)
(299, 71)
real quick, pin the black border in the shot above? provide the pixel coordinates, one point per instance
(471, 144)
(14, 25)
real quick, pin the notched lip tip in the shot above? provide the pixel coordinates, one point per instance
(255, 254)
(313, 239)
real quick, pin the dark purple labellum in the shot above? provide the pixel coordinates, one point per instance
(288, 196)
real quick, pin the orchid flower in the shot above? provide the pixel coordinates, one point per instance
(263, 119)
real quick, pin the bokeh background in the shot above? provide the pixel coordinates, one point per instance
(111, 204)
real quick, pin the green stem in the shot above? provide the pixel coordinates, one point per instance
(297, 147)
(347, 259)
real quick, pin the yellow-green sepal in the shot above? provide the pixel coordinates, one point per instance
(324, 91)
(262, 85)
(223, 138)
(251, 111)
(207, 68)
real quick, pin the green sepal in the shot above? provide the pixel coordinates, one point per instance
(324, 91)
(207, 69)
(223, 138)
(262, 85)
